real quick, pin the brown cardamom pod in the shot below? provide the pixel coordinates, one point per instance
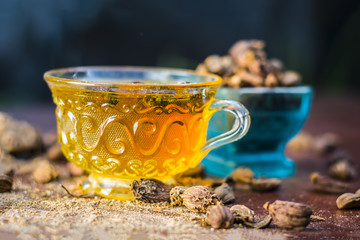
(150, 190)
(44, 172)
(265, 184)
(225, 193)
(315, 218)
(219, 217)
(342, 169)
(199, 198)
(243, 175)
(271, 80)
(327, 185)
(290, 78)
(6, 183)
(259, 225)
(242, 213)
(289, 215)
(357, 192)
(176, 195)
(348, 200)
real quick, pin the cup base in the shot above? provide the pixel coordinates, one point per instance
(108, 187)
(113, 188)
(265, 164)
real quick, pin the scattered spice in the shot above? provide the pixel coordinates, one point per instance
(233, 81)
(213, 64)
(245, 52)
(265, 184)
(289, 216)
(201, 69)
(225, 193)
(87, 195)
(326, 185)
(199, 198)
(44, 172)
(219, 216)
(243, 175)
(342, 169)
(302, 142)
(242, 213)
(357, 192)
(176, 195)
(250, 80)
(315, 218)
(260, 224)
(348, 200)
(18, 137)
(6, 183)
(150, 190)
(290, 78)
(271, 80)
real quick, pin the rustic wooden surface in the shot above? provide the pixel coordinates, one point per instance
(341, 116)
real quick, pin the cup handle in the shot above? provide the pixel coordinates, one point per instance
(239, 129)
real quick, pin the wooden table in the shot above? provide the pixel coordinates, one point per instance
(337, 115)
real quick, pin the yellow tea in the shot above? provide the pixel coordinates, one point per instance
(132, 136)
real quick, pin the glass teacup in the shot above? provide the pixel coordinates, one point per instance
(125, 123)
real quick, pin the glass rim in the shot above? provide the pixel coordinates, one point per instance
(213, 80)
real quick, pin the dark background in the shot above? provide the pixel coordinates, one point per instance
(319, 39)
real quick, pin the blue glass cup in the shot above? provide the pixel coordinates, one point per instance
(277, 115)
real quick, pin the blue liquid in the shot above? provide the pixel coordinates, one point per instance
(277, 115)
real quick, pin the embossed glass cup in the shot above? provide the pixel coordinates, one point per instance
(127, 123)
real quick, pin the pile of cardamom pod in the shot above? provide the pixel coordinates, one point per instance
(247, 66)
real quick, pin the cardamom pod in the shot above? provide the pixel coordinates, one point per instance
(260, 224)
(243, 175)
(219, 216)
(213, 64)
(315, 218)
(176, 195)
(348, 200)
(342, 169)
(265, 184)
(199, 198)
(45, 172)
(326, 185)
(357, 192)
(151, 190)
(225, 193)
(6, 183)
(289, 216)
(242, 213)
